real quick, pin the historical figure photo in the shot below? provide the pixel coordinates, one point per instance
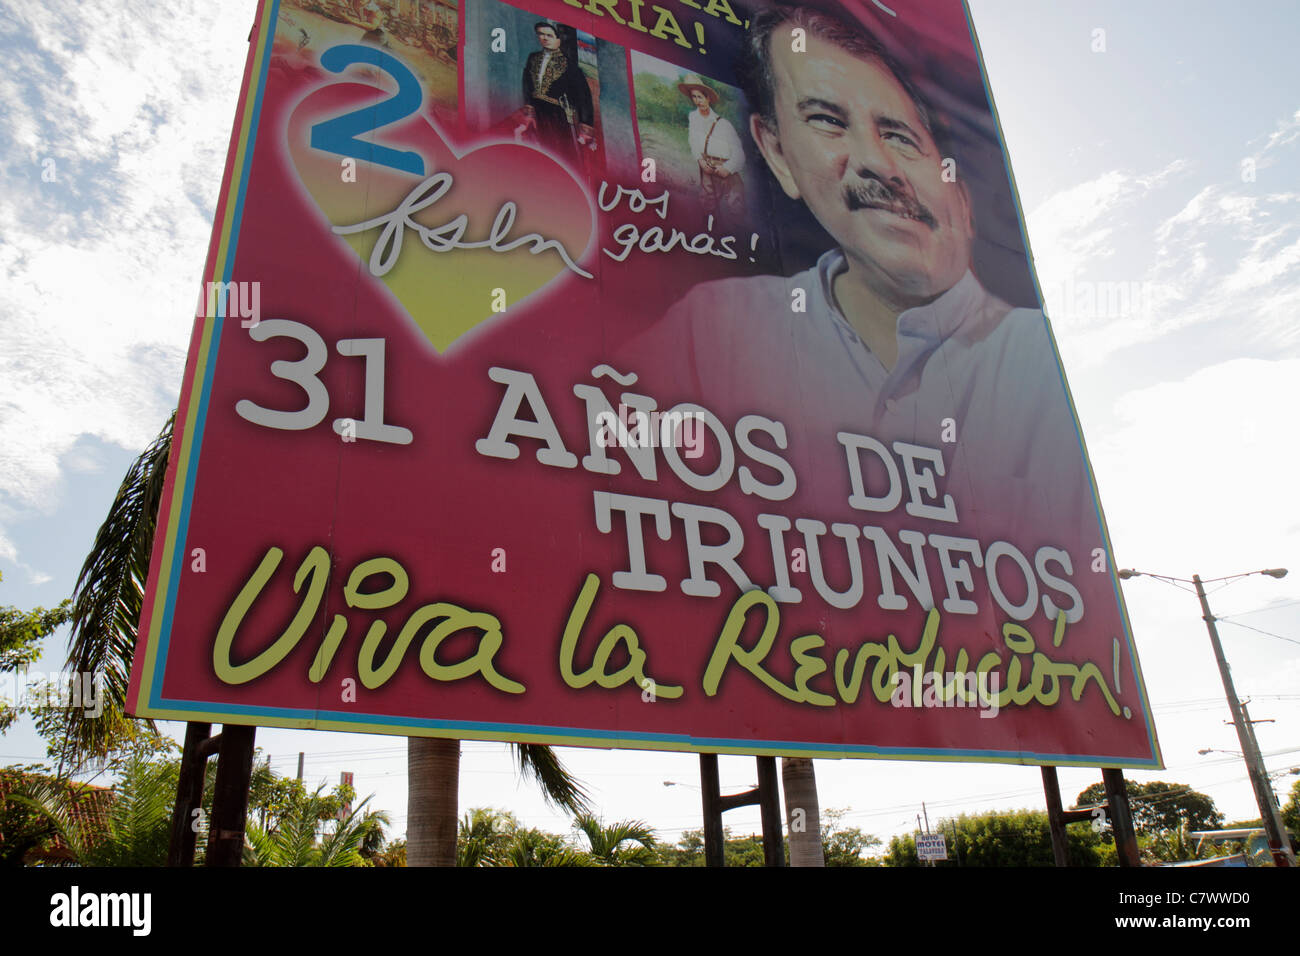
(557, 99)
(717, 151)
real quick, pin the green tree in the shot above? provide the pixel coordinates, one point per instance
(35, 801)
(127, 826)
(737, 851)
(687, 851)
(484, 836)
(315, 831)
(290, 827)
(530, 847)
(1159, 807)
(20, 635)
(845, 846)
(23, 827)
(625, 843)
(841, 846)
(130, 825)
(1176, 846)
(393, 853)
(270, 796)
(1016, 838)
(748, 851)
(1291, 811)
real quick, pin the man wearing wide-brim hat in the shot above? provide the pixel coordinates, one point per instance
(718, 152)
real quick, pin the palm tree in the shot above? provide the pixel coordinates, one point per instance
(537, 848)
(300, 839)
(484, 836)
(606, 843)
(107, 602)
(105, 619)
(799, 782)
(128, 826)
(1177, 846)
(433, 775)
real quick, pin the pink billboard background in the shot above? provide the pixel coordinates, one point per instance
(416, 510)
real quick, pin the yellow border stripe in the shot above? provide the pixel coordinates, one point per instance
(195, 386)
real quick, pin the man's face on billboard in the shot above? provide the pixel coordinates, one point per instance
(851, 144)
(547, 39)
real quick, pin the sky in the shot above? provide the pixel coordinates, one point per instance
(1162, 152)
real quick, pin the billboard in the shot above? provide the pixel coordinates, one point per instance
(667, 376)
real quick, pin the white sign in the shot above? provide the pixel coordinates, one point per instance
(930, 846)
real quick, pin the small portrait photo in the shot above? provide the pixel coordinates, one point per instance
(423, 34)
(544, 83)
(693, 127)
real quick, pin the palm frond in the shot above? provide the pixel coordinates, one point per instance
(55, 801)
(560, 788)
(139, 817)
(606, 843)
(259, 848)
(129, 826)
(296, 839)
(536, 848)
(483, 835)
(343, 846)
(109, 596)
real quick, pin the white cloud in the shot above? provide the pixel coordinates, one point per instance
(133, 103)
(1069, 228)
(1246, 243)
(1230, 250)
(1287, 132)
(1082, 260)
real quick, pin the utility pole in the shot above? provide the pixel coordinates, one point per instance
(1278, 841)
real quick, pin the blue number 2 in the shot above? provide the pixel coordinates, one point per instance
(339, 135)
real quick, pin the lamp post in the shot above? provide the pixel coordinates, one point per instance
(1279, 842)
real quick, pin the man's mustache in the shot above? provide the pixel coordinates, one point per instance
(875, 194)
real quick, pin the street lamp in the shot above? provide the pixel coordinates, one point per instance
(1279, 842)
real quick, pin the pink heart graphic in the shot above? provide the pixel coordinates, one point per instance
(530, 218)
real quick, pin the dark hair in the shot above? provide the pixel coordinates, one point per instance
(755, 67)
(546, 25)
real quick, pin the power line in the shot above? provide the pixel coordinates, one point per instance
(1259, 610)
(1259, 631)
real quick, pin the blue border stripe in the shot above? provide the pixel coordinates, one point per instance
(584, 734)
(201, 414)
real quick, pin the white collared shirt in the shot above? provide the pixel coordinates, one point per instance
(541, 65)
(969, 368)
(723, 143)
